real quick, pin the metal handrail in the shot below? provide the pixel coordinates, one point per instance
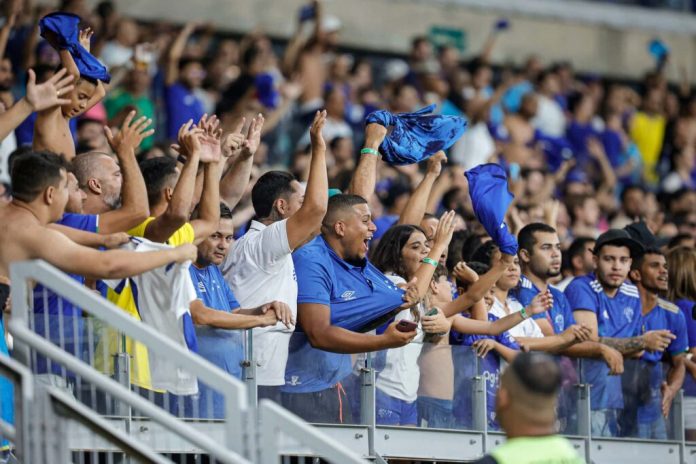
(233, 390)
(275, 419)
(221, 453)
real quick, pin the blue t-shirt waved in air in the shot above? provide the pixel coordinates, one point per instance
(355, 295)
(617, 317)
(560, 316)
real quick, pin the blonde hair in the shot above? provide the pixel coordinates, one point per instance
(681, 262)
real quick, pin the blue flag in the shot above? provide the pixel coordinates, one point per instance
(416, 136)
(65, 26)
(491, 198)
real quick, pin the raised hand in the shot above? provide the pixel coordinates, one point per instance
(189, 139)
(464, 273)
(445, 229)
(211, 138)
(374, 135)
(85, 37)
(435, 163)
(541, 303)
(253, 138)
(48, 95)
(232, 142)
(130, 136)
(315, 131)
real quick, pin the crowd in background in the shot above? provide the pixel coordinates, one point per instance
(282, 205)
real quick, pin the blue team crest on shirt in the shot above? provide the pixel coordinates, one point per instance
(560, 321)
(605, 314)
(201, 287)
(348, 295)
(628, 313)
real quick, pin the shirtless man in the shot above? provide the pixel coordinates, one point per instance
(52, 128)
(40, 190)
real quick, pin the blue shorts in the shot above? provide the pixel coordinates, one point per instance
(393, 411)
(435, 413)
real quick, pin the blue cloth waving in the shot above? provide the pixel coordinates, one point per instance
(416, 136)
(491, 199)
(65, 28)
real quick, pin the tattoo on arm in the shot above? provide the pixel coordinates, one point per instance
(624, 345)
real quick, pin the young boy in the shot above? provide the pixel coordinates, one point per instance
(52, 131)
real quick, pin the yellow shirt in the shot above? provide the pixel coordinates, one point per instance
(112, 342)
(648, 132)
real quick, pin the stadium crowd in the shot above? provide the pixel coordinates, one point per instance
(126, 147)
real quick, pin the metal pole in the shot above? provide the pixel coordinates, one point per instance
(479, 406)
(584, 412)
(367, 402)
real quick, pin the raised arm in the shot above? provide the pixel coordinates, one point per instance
(179, 208)
(134, 208)
(209, 208)
(478, 289)
(6, 30)
(365, 176)
(241, 151)
(175, 52)
(417, 204)
(443, 236)
(306, 222)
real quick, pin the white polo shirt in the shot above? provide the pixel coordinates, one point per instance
(526, 329)
(259, 269)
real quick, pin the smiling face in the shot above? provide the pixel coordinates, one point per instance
(79, 98)
(653, 273)
(214, 249)
(76, 197)
(413, 253)
(358, 230)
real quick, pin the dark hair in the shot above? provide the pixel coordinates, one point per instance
(455, 248)
(574, 101)
(526, 239)
(576, 248)
(157, 172)
(387, 254)
(33, 172)
(187, 61)
(628, 188)
(471, 243)
(339, 203)
(440, 271)
(225, 211)
(639, 258)
(538, 373)
(268, 188)
(677, 239)
(484, 253)
(576, 201)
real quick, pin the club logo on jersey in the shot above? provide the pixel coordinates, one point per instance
(560, 322)
(201, 287)
(294, 380)
(605, 314)
(348, 295)
(628, 313)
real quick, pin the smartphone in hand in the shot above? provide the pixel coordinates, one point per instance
(406, 326)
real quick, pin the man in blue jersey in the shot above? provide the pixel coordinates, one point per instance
(216, 314)
(339, 293)
(648, 398)
(540, 260)
(611, 308)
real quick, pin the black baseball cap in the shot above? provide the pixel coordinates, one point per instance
(618, 237)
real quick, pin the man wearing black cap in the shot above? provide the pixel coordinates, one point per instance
(649, 398)
(610, 307)
(526, 409)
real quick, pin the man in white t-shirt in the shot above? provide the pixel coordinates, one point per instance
(260, 264)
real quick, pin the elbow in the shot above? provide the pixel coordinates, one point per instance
(316, 340)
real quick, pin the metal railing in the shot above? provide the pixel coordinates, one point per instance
(464, 432)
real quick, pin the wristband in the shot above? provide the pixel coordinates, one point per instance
(430, 261)
(524, 314)
(369, 151)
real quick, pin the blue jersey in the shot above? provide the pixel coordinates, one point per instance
(182, 104)
(665, 316)
(6, 389)
(617, 317)
(687, 309)
(222, 347)
(56, 318)
(355, 296)
(489, 367)
(560, 316)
